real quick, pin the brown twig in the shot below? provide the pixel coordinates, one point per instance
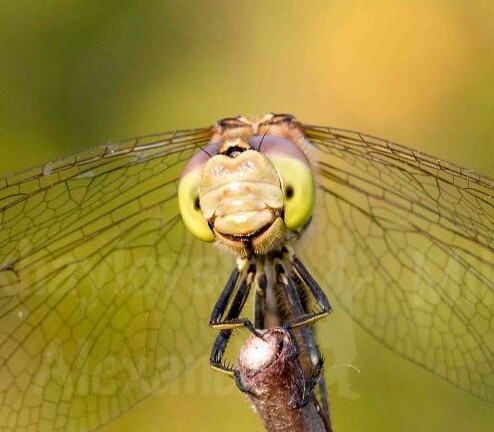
(276, 383)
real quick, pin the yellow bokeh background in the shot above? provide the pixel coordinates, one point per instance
(77, 74)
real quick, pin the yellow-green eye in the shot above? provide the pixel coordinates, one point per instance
(295, 172)
(188, 200)
(297, 183)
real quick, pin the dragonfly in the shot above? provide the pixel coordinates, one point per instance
(104, 281)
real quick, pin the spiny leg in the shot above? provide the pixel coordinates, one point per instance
(313, 286)
(286, 263)
(307, 336)
(302, 319)
(232, 319)
(323, 301)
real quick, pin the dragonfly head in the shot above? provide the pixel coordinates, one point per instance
(252, 188)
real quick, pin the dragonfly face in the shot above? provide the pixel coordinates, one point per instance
(252, 188)
(102, 294)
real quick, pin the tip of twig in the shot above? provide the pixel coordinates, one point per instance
(258, 353)
(271, 373)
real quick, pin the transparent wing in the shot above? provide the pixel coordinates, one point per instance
(405, 243)
(92, 317)
(102, 298)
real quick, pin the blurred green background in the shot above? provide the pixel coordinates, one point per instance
(75, 74)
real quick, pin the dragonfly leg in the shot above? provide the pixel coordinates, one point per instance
(232, 319)
(303, 320)
(260, 299)
(317, 377)
(222, 302)
(313, 286)
(323, 302)
(300, 316)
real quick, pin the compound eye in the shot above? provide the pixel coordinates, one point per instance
(295, 172)
(297, 183)
(188, 197)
